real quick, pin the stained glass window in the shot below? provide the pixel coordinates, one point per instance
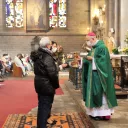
(14, 13)
(57, 15)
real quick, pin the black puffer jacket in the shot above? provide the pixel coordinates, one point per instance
(45, 70)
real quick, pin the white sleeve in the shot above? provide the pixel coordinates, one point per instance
(61, 68)
(93, 64)
(81, 63)
(18, 62)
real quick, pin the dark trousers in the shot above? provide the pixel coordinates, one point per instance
(44, 110)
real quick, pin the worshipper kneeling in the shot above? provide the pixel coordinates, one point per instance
(98, 83)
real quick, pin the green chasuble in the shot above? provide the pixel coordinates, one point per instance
(100, 81)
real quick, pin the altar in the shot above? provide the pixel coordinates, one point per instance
(117, 56)
(120, 69)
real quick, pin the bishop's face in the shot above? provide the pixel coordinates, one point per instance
(92, 40)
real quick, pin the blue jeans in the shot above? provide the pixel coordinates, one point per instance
(44, 110)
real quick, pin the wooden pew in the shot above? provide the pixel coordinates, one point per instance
(17, 71)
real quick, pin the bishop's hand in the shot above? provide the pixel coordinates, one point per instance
(89, 58)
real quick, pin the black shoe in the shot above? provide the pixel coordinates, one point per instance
(96, 118)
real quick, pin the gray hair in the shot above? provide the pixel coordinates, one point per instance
(44, 42)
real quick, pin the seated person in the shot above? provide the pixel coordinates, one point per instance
(7, 65)
(19, 63)
(26, 63)
(1, 68)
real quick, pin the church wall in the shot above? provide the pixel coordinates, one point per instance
(22, 44)
(71, 38)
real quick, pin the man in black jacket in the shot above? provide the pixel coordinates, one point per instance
(46, 80)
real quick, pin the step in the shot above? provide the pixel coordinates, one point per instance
(122, 94)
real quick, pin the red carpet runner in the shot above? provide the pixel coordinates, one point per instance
(18, 96)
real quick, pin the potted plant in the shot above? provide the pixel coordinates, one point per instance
(115, 51)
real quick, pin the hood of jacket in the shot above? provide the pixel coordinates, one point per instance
(38, 54)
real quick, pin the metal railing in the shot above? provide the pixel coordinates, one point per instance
(75, 76)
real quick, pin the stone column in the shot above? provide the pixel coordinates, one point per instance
(111, 13)
(117, 22)
(107, 16)
(89, 15)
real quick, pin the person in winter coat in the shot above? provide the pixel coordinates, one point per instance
(45, 81)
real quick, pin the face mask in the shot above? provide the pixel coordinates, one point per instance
(54, 50)
(89, 44)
